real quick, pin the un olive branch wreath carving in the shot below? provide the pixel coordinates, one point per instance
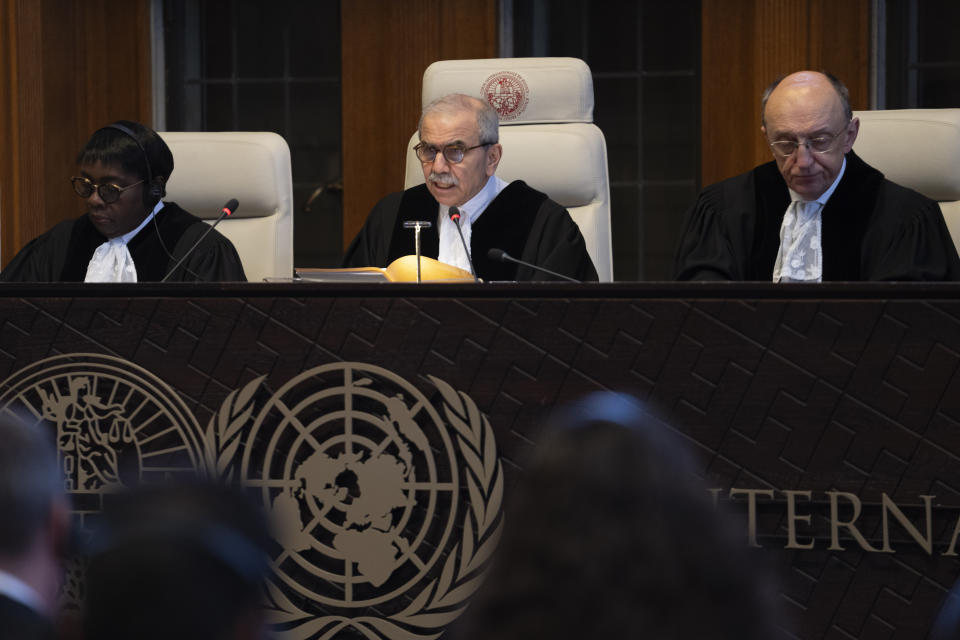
(444, 598)
(223, 435)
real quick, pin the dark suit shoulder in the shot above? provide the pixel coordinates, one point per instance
(20, 622)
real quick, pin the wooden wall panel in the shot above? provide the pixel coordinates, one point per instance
(846, 24)
(726, 99)
(746, 44)
(22, 100)
(57, 123)
(69, 67)
(386, 47)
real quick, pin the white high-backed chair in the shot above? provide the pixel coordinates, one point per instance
(209, 168)
(919, 149)
(547, 132)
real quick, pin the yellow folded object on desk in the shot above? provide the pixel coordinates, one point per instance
(402, 269)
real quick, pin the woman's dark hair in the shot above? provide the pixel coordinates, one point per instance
(611, 534)
(151, 160)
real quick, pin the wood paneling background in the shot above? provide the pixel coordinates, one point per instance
(386, 47)
(70, 66)
(746, 44)
(67, 67)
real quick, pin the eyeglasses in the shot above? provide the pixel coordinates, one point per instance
(107, 192)
(452, 153)
(820, 144)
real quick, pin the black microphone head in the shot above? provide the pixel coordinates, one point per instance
(454, 213)
(231, 206)
(498, 255)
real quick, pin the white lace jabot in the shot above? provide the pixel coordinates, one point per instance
(112, 262)
(800, 257)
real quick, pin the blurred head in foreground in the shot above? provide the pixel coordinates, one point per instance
(180, 561)
(611, 534)
(34, 529)
(946, 626)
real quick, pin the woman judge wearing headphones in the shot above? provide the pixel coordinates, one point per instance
(129, 234)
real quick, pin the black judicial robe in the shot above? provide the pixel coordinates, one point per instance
(520, 220)
(872, 229)
(63, 253)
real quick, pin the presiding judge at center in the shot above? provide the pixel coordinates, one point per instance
(459, 151)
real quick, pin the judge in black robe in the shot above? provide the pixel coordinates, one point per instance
(63, 253)
(873, 229)
(848, 223)
(520, 220)
(122, 175)
(459, 152)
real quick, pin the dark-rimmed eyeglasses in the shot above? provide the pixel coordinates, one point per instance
(452, 153)
(107, 192)
(820, 144)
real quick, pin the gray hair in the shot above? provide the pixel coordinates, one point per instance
(488, 121)
(30, 482)
(842, 92)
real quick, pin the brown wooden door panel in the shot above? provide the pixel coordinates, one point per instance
(386, 47)
(746, 44)
(66, 68)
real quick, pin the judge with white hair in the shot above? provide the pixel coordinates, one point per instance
(459, 149)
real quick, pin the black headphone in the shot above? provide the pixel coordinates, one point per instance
(156, 190)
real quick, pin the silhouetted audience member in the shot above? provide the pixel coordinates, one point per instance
(946, 626)
(612, 535)
(182, 561)
(34, 530)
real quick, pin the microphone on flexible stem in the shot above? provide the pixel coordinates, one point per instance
(227, 210)
(455, 216)
(499, 255)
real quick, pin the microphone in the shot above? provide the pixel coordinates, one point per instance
(455, 216)
(499, 255)
(227, 210)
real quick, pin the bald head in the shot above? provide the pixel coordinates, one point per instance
(809, 106)
(806, 86)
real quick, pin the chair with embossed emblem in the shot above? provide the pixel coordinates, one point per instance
(547, 132)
